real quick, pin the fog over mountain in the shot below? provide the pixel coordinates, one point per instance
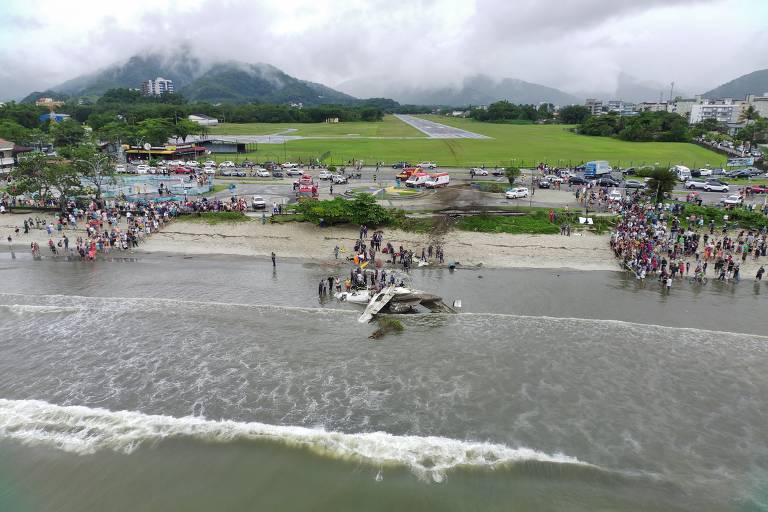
(416, 46)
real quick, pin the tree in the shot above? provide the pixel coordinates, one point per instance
(749, 114)
(36, 176)
(12, 131)
(118, 132)
(95, 168)
(67, 133)
(512, 173)
(662, 181)
(184, 128)
(574, 114)
(155, 131)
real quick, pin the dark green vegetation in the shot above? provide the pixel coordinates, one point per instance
(645, 127)
(504, 111)
(662, 181)
(751, 83)
(737, 216)
(362, 209)
(535, 222)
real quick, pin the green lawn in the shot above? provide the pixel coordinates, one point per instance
(523, 145)
(389, 127)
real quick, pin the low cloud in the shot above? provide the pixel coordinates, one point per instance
(367, 47)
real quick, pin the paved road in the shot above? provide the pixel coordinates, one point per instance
(438, 131)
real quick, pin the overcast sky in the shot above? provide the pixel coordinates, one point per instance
(575, 45)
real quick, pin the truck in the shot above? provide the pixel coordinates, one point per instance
(682, 172)
(440, 179)
(597, 169)
(406, 173)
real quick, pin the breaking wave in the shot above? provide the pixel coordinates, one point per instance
(21, 309)
(85, 430)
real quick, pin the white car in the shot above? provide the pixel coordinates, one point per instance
(324, 175)
(516, 193)
(427, 165)
(614, 195)
(120, 169)
(209, 163)
(705, 172)
(294, 171)
(263, 173)
(478, 171)
(209, 170)
(227, 163)
(732, 200)
(289, 165)
(191, 163)
(142, 169)
(258, 203)
(339, 179)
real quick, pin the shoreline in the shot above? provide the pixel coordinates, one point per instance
(308, 243)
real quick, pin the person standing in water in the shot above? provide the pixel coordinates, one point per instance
(273, 259)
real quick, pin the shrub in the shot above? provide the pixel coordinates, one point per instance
(362, 209)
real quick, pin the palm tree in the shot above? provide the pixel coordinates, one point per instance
(749, 114)
(661, 181)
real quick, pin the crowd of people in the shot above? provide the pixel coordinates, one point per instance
(370, 272)
(657, 240)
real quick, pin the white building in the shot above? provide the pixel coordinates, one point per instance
(595, 106)
(723, 111)
(6, 155)
(653, 106)
(156, 87)
(203, 120)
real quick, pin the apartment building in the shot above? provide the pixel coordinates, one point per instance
(156, 87)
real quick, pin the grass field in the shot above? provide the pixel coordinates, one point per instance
(521, 145)
(389, 127)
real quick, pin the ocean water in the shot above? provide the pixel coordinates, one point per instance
(173, 383)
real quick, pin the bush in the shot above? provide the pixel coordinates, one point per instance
(362, 209)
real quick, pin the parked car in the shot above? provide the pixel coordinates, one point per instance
(577, 180)
(258, 203)
(629, 171)
(757, 189)
(427, 165)
(294, 171)
(615, 195)
(516, 193)
(439, 179)
(498, 171)
(324, 175)
(742, 174)
(225, 172)
(183, 170)
(607, 181)
(191, 163)
(338, 179)
(289, 165)
(400, 165)
(634, 184)
(227, 163)
(142, 169)
(478, 171)
(705, 172)
(263, 173)
(239, 174)
(120, 169)
(545, 184)
(277, 174)
(732, 200)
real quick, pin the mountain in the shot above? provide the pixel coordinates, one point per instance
(752, 83)
(631, 89)
(474, 90)
(221, 82)
(34, 96)
(179, 67)
(237, 82)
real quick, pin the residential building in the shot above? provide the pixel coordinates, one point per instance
(203, 120)
(296, 104)
(156, 87)
(724, 111)
(759, 102)
(595, 106)
(653, 106)
(6, 155)
(48, 102)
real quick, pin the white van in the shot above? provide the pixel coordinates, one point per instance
(417, 179)
(683, 173)
(440, 179)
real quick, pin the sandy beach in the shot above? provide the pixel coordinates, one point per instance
(308, 242)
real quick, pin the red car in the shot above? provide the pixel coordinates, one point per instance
(757, 189)
(183, 170)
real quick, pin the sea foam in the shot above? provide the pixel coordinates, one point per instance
(85, 430)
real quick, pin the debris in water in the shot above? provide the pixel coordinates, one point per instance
(386, 326)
